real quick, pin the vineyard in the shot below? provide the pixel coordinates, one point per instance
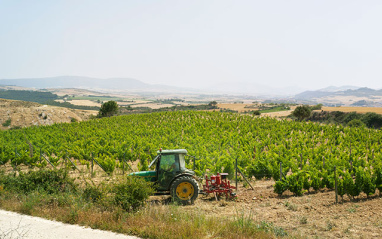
(299, 156)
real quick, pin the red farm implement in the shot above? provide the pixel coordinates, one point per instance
(220, 186)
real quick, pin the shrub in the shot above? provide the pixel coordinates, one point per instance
(328, 180)
(315, 182)
(93, 193)
(372, 120)
(368, 184)
(301, 112)
(359, 181)
(295, 184)
(378, 178)
(3, 159)
(108, 164)
(349, 186)
(340, 188)
(108, 109)
(316, 107)
(144, 165)
(256, 112)
(260, 170)
(7, 122)
(306, 183)
(49, 181)
(356, 123)
(351, 116)
(279, 187)
(132, 193)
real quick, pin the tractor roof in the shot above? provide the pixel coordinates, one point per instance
(173, 151)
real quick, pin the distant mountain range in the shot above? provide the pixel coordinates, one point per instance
(80, 82)
(339, 88)
(133, 85)
(357, 92)
(332, 95)
(355, 96)
(128, 84)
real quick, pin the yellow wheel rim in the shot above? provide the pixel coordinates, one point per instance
(185, 191)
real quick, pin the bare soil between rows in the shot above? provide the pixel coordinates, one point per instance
(314, 215)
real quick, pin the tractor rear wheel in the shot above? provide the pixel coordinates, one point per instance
(184, 190)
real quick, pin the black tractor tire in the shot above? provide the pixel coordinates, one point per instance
(184, 190)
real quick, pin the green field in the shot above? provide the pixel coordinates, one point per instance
(274, 109)
(309, 151)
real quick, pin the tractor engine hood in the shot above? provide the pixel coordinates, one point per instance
(144, 174)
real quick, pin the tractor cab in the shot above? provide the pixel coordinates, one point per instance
(169, 166)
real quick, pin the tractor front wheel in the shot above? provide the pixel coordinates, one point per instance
(184, 190)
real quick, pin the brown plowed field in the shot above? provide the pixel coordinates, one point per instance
(314, 215)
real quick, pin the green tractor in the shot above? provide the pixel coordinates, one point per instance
(171, 176)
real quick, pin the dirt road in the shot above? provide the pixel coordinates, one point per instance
(17, 226)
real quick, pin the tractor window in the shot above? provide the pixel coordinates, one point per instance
(168, 163)
(182, 162)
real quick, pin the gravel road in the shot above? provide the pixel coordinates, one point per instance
(17, 226)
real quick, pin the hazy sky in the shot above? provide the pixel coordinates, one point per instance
(310, 44)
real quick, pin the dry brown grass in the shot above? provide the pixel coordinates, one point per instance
(310, 216)
(278, 114)
(237, 107)
(153, 221)
(24, 114)
(85, 103)
(314, 215)
(158, 219)
(377, 110)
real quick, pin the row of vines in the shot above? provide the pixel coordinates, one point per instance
(308, 152)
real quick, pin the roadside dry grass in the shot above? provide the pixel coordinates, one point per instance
(159, 218)
(152, 221)
(259, 211)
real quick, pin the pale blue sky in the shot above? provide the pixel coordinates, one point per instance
(310, 44)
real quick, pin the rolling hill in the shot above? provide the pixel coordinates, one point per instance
(81, 82)
(350, 97)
